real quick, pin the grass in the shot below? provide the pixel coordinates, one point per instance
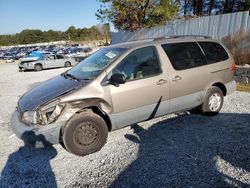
(243, 87)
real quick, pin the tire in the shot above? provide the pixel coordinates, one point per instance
(213, 101)
(38, 67)
(86, 124)
(67, 64)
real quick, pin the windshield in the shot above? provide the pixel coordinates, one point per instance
(92, 66)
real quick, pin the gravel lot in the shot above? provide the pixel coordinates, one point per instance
(172, 151)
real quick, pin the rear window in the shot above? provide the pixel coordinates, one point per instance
(59, 57)
(214, 52)
(184, 55)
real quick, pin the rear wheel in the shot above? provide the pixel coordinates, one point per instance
(213, 101)
(38, 67)
(67, 64)
(85, 133)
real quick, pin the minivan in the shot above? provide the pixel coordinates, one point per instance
(122, 85)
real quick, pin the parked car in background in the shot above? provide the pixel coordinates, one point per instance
(10, 61)
(80, 58)
(124, 84)
(87, 50)
(49, 61)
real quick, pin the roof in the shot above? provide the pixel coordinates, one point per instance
(184, 38)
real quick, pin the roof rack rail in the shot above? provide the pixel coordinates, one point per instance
(159, 38)
(182, 36)
(191, 36)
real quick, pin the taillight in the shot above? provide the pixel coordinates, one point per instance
(233, 67)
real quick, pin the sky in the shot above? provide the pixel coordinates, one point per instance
(16, 15)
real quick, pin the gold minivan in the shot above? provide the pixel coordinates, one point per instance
(124, 84)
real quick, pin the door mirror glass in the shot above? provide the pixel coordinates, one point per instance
(117, 79)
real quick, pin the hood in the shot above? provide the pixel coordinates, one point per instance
(30, 61)
(47, 91)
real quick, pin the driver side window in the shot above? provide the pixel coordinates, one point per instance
(141, 63)
(51, 57)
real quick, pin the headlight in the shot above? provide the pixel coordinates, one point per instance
(50, 112)
(29, 117)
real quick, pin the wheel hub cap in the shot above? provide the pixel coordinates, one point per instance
(86, 134)
(214, 102)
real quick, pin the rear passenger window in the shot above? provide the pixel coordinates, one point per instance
(59, 57)
(184, 55)
(214, 52)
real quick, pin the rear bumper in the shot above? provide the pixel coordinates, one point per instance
(231, 87)
(39, 137)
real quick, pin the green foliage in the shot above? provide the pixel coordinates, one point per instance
(211, 7)
(135, 14)
(31, 36)
(27, 36)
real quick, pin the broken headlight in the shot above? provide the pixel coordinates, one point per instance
(29, 117)
(50, 112)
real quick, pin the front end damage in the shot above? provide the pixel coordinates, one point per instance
(46, 108)
(61, 112)
(49, 119)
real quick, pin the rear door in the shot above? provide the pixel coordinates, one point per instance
(146, 91)
(189, 75)
(218, 61)
(60, 61)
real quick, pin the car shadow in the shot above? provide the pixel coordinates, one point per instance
(191, 151)
(30, 166)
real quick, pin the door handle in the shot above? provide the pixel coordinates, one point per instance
(176, 78)
(161, 82)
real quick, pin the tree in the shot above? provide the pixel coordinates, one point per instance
(29, 36)
(211, 7)
(135, 14)
(104, 29)
(71, 32)
(106, 32)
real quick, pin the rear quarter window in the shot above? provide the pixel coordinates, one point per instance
(214, 52)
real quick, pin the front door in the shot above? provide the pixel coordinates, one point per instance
(145, 93)
(50, 62)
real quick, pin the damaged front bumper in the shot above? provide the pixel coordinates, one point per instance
(37, 136)
(25, 67)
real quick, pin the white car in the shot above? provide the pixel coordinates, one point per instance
(50, 61)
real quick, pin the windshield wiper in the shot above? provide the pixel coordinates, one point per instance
(66, 74)
(86, 79)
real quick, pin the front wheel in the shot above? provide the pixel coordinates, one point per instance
(85, 133)
(67, 64)
(213, 101)
(38, 67)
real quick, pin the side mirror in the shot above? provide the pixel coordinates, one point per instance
(117, 79)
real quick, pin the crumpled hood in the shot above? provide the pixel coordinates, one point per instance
(46, 92)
